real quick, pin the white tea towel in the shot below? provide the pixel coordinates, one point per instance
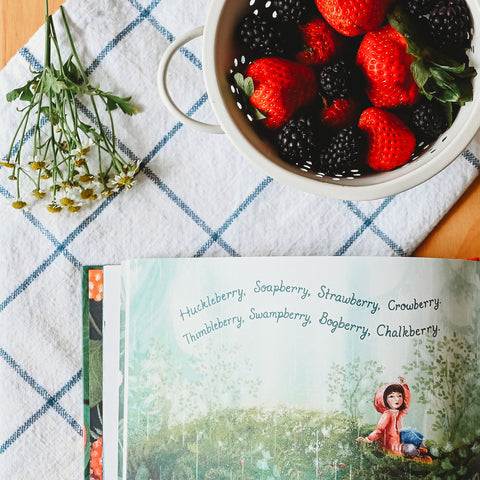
(195, 196)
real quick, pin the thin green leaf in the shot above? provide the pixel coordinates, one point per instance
(72, 72)
(113, 101)
(468, 72)
(420, 72)
(437, 75)
(14, 94)
(258, 115)
(245, 85)
(456, 69)
(246, 88)
(23, 93)
(466, 90)
(448, 112)
(51, 84)
(443, 77)
(440, 92)
(54, 118)
(249, 86)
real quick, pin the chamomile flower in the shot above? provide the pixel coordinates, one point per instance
(7, 164)
(126, 178)
(39, 193)
(84, 149)
(54, 207)
(36, 162)
(19, 204)
(71, 164)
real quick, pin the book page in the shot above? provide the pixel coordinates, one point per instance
(300, 368)
(92, 292)
(111, 359)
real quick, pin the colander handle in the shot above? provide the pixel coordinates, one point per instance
(178, 43)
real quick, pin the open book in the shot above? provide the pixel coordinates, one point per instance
(289, 368)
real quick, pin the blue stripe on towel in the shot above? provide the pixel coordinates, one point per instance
(51, 401)
(368, 223)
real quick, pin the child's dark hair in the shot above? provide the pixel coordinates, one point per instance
(394, 387)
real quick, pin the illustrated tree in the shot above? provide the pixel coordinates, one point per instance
(225, 374)
(186, 398)
(148, 379)
(446, 378)
(352, 382)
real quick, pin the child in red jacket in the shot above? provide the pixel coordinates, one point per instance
(392, 400)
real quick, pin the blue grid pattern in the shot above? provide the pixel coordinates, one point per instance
(366, 216)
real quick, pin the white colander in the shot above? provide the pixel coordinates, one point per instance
(218, 52)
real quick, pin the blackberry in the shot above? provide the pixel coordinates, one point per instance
(343, 155)
(449, 25)
(298, 142)
(418, 8)
(337, 80)
(262, 35)
(296, 11)
(427, 121)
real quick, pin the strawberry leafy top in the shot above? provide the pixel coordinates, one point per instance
(246, 88)
(438, 76)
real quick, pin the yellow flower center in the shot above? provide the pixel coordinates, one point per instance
(66, 202)
(87, 178)
(87, 193)
(19, 204)
(37, 165)
(83, 152)
(54, 208)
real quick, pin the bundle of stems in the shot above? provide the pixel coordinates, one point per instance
(55, 154)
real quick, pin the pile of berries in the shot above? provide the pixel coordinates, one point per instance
(330, 82)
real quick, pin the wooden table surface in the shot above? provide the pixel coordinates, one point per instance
(456, 236)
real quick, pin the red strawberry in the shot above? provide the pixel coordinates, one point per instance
(383, 58)
(353, 17)
(280, 88)
(390, 142)
(339, 114)
(321, 42)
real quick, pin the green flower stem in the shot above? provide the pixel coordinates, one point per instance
(95, 92)
(71, 100)
(60, 153)
(105, 137)
(112, 126)
(71, 135)
(72, 105)
(113, 153)
(72, 45)
(27, 173)
(54, 162)
(23, 123)
(37, 142)
(48, 22)
(101, 173)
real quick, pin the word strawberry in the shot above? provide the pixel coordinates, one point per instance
(321, 43)
(383, 58)
(390, 143)
(280, 87)
(353, 17)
